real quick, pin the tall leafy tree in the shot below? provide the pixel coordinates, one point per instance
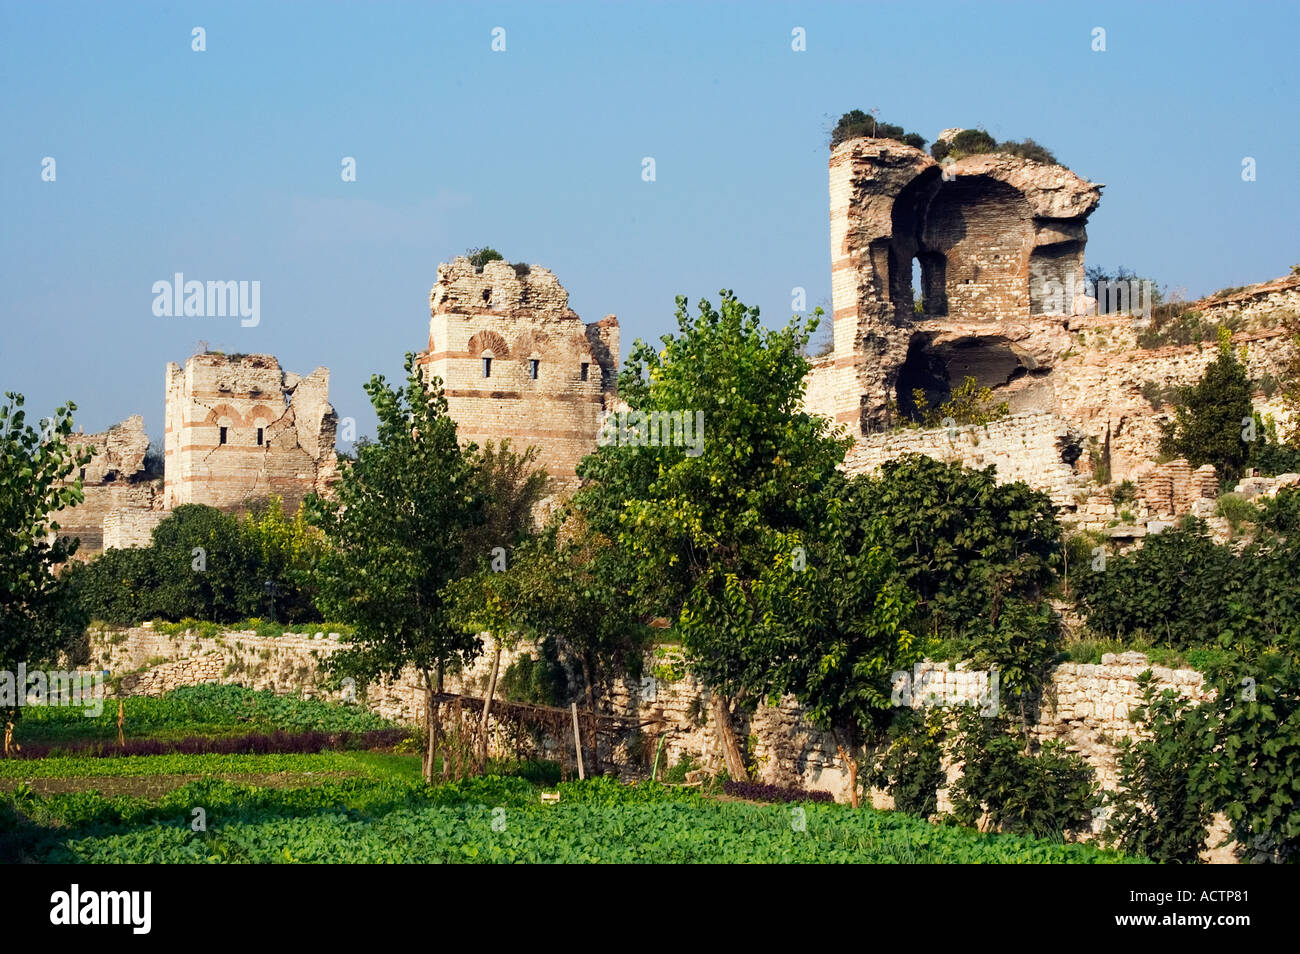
(396, 536)
(1208, 426)
(572, 586)
(707, 524)
(36, 481)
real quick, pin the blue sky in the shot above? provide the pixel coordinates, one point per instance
(225, 164)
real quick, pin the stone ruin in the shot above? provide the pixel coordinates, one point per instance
(115, 482)
(239, 429)
(975, 268)
(516, 362)
(995, 239)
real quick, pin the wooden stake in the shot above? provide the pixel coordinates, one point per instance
(577, 739)
(121, 721)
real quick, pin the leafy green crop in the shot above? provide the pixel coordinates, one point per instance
(493, 819)
(208, 709)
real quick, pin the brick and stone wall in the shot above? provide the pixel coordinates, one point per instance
(1029, 447)
(127, 527)
(114, 480)
(278, 430)
(550, 375)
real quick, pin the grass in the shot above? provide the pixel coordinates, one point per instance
(206, 629)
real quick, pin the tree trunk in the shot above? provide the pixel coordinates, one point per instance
(487, 707)
(430, 733)
(587, 670)
(731, 754)
(851, 764)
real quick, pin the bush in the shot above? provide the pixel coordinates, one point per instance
(855, 124)
(478, 257)
(1044, 795)
(912, 766)
(1237, 510)
(1162, 808)
(972, 142)
(1281, 512)
(209, 565)
(1207, 428)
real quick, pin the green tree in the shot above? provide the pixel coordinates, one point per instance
(1208, 425)
(964, 543)
(204, 567)
(37, 469)
(396, 537)
(707, 528)
(840, 620)
(571, 588)
(286, 549)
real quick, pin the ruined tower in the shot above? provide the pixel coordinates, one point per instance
(239, 429)
(996, 242)
(516, 362)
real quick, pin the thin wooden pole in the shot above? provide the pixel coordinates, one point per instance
(577, 739)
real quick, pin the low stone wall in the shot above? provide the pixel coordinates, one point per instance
(130, 527)
(1086, 706)
(1026, 447)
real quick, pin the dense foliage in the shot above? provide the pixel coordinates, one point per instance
(1181, 589)
(1210, 423)
(1046, 794)
(37, 618)
(209, 565)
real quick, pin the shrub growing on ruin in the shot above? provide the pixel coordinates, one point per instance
(855, 124)
(973, 142)
(478, 257)
(1208, 426)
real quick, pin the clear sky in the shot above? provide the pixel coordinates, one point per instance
(225, 164)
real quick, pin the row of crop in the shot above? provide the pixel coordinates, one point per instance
(499, 820)
(180, 764)
(706, 832)
(255, 743)
(198, 710)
